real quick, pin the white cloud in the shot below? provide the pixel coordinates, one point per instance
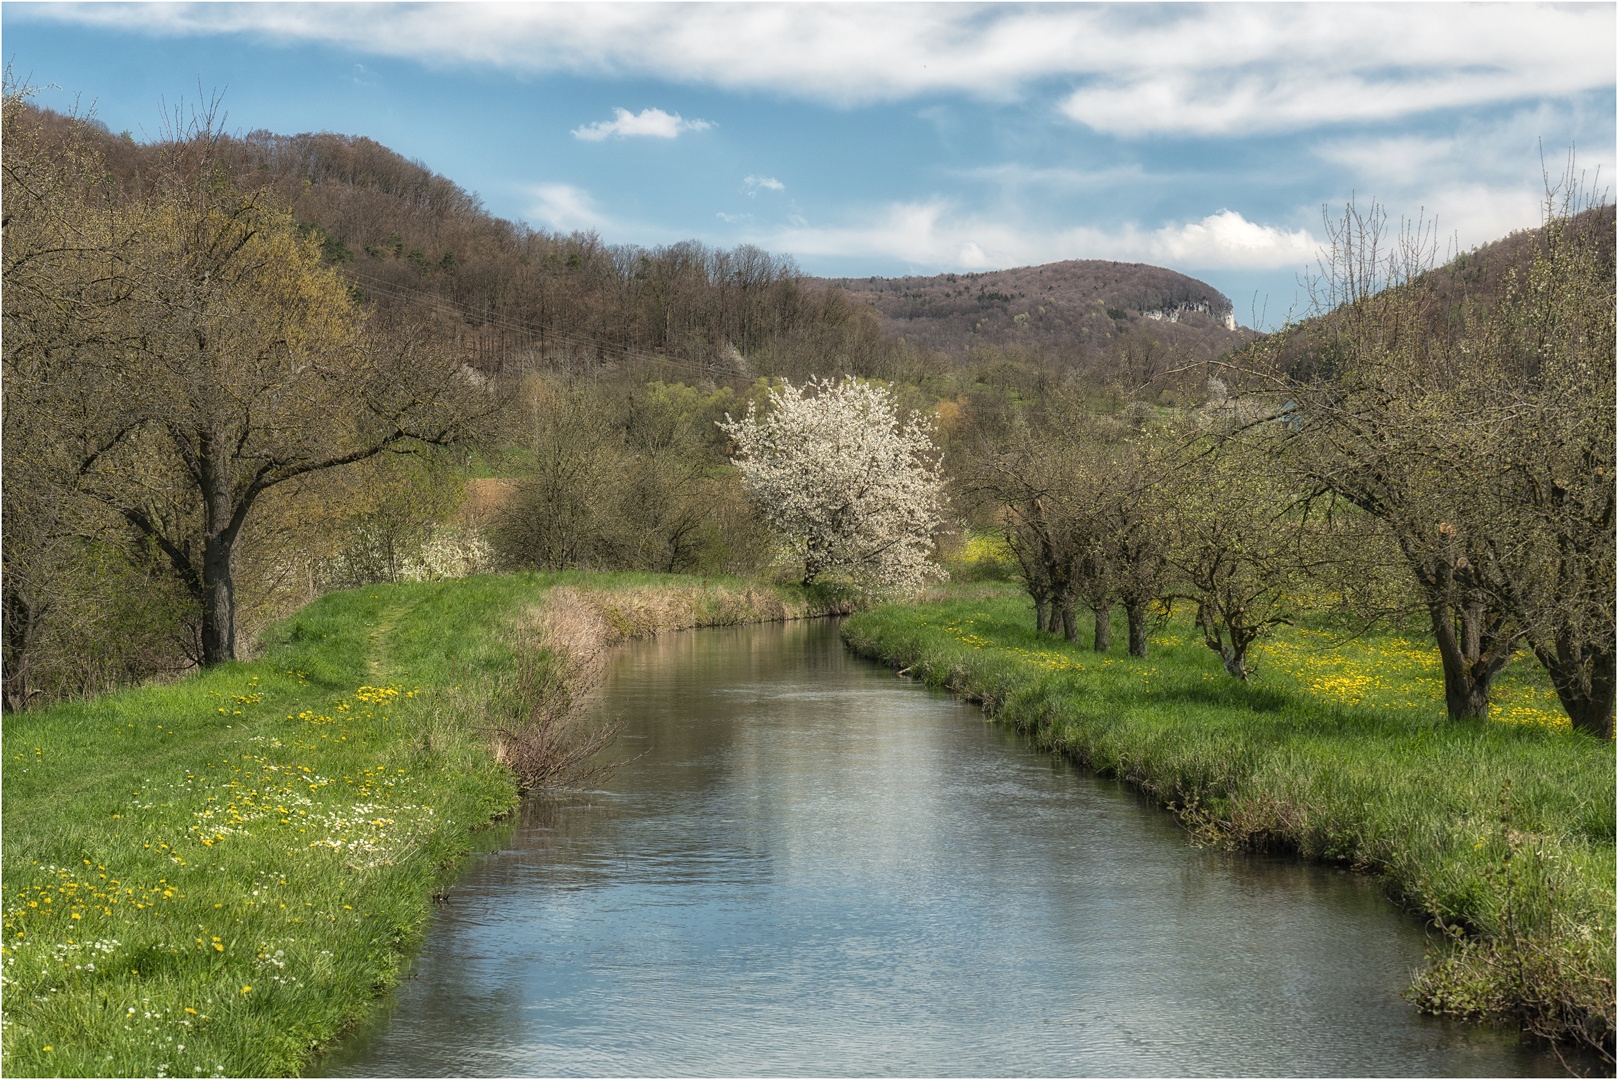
(1138, 69)
(653, 123)
(1016, 177)
(769, 183)
(935, 234)
(971, 256)
(566, 208)
(1393, 162)
(1229, 69)
(1480, 180)
(912, 232)
(1475, 214)
(1227, 240)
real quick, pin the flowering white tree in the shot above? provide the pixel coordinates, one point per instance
(845, 480)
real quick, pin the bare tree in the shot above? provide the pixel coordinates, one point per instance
(1080, 501)
(1026, 484)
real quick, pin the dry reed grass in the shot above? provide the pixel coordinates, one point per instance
(537, 713)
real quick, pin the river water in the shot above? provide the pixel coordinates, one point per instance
(820, 869)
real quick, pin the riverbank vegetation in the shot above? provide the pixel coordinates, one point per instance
(217, 876)
(381, 388)
(1501, 831)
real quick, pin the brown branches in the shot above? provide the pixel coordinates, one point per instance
(541, 732)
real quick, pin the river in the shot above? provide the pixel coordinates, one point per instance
(820, 869)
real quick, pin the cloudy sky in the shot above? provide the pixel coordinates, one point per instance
(892, 139)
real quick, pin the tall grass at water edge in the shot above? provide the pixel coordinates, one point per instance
(216, 876)
(1501, 830)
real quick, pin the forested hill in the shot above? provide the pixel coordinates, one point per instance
(1448, 301)
(415, 244)
(1080, 303)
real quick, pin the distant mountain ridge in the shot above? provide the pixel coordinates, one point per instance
(1077, 303)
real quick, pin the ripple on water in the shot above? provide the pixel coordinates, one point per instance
(820, 870)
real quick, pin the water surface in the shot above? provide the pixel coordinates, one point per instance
(820, 869)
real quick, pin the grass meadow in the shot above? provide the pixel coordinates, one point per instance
(217, 876)
(1502, 830)
(214, 877)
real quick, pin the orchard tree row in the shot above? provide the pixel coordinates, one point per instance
(1401, 454)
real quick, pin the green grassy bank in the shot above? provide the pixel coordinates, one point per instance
(1502, 829)
(216, 876)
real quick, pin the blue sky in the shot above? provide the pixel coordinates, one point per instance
(892, 139)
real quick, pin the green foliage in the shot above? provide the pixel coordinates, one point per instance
(397, 505)
(171, 355)
(1538, 962)
(115, 618)
(979, 556)
(332, 248)
(629, 479)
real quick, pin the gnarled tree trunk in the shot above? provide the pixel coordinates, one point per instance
(1585, 681)
(1102, 614)
(1136, 610)
(1473, 652)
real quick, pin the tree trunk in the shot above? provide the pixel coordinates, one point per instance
(1070, 623)
(1467, 698)
(814, 561)
(21, 626)
(1137, 610)
(1216, 626)
(218, 603)
(1042, 613)
(223, 514)
(1103, 627)
(1587, 685)
(1472, 654)
(1592, 717)
(1235, 661)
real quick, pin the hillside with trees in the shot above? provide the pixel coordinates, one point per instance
(1468, 410)
(593, 382)
(509, 295)
(1079, 308)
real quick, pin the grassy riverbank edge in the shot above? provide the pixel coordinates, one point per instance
(219, 876)
(1504, 832)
